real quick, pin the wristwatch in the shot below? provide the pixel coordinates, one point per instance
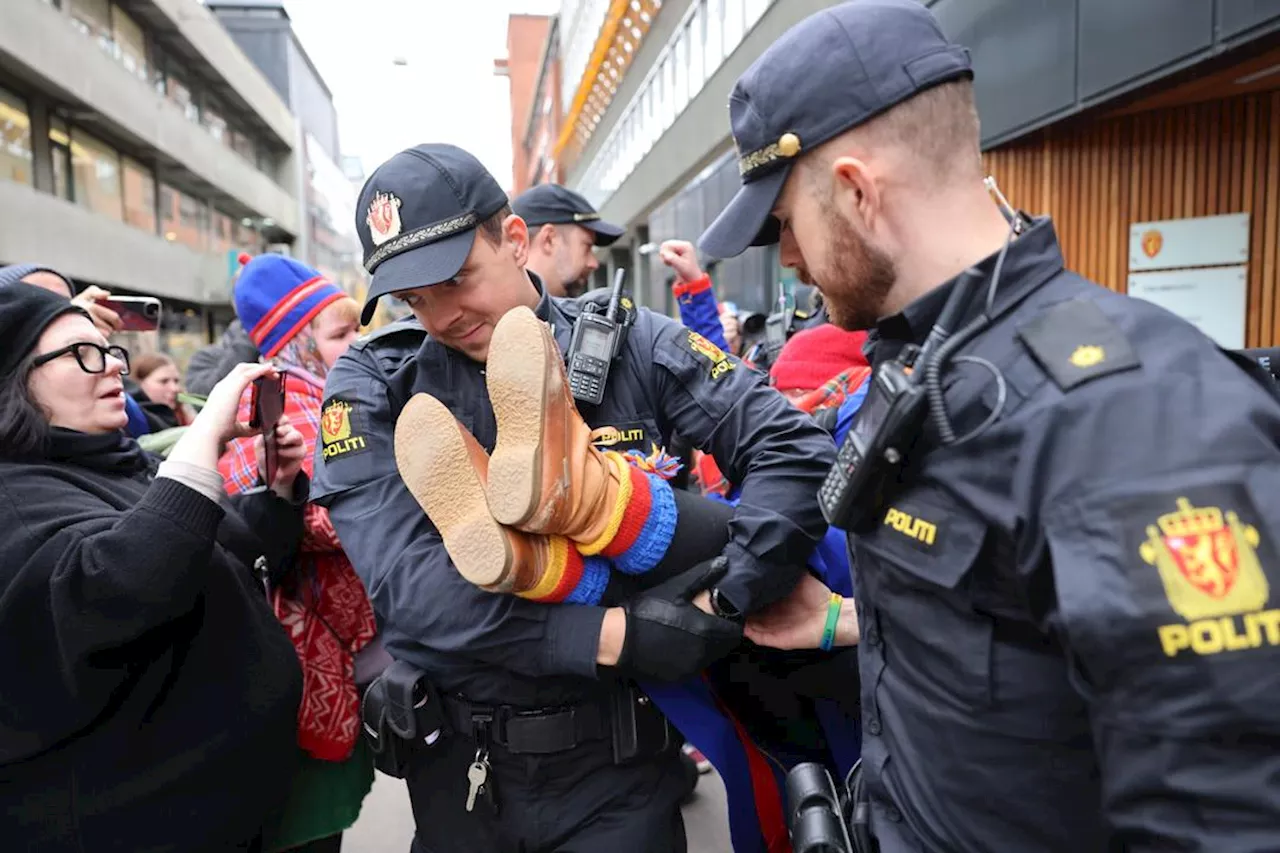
(724, 608)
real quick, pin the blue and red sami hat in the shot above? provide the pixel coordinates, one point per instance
(275, 296)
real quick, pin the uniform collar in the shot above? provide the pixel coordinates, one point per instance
(549, 311)
(1033, 258)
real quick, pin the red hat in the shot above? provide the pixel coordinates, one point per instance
(813, 356)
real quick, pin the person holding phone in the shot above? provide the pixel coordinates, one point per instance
(302, 322)
(149, 694)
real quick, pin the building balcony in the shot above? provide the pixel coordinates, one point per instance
(36, 226)
(39, 47)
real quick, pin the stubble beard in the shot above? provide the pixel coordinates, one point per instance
(858, 277)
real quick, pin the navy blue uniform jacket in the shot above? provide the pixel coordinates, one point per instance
(500, 648)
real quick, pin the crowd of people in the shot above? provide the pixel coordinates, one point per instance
(556, 608)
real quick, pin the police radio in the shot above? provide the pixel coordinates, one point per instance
(903, 392)
(597, 340)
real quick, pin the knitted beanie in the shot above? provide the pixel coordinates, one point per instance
(25, 312)
(17, 272)
(813, 356)
(276, 296)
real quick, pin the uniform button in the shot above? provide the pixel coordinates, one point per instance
(873, 636)
(892, 813)
(873, 726)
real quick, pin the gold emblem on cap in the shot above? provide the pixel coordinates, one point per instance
(788, 145)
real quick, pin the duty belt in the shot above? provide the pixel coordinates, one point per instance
(541, 731)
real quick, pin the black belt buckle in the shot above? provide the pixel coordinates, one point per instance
(639, 729)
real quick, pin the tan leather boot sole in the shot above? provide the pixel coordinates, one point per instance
(519, 376)
(444, 468)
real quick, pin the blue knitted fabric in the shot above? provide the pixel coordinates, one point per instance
(655, 537)
(595, 577)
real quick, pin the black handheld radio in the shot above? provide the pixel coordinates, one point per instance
(596, 342)
(903, 392)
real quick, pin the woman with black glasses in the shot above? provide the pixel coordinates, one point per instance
(148, 697)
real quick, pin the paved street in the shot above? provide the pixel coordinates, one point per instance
(386, 826)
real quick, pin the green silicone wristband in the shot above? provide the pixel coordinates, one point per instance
(833, 616)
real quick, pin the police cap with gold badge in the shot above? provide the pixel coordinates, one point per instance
(552, 204)
(833, 71)
(417, 217)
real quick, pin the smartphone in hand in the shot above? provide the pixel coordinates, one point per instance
(267, 407)
(137, 313)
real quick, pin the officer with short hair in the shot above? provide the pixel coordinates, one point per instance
(1063, 518)
(563, 230)
(541, 692)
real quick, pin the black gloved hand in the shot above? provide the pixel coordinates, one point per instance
(673, 640)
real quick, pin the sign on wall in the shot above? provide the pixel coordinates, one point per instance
(1206, 241)
(1211, 299)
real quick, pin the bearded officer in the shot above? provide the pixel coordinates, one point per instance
(1069, 624)
(437, 232)
(564, 231)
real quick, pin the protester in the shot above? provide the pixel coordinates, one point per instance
(156, 384)
(303, 323)
(149, 695)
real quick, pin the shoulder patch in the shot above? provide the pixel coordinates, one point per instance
(703, 348)
(340, 434)
(1075, 342)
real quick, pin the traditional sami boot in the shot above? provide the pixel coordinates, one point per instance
(547, 476)
(444, 468)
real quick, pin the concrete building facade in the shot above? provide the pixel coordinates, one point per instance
(326, 201)
(524, 66)
(141, 151)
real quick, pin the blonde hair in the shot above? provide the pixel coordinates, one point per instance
(346, 309)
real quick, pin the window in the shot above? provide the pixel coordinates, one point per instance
(243, 145)
(697, 69)
(223, 233)
(139, 196)
(755, 9)
(15, 139)
(211, 118)
(96, 170)
(130, 42)
(184, 219)
(180, 93)
(60, 148)
(732, 25)
(93, 18)
(714, 42)
(680, 55)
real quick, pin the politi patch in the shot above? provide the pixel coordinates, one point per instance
(338, 434)
(700, 346)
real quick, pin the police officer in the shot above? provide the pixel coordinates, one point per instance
(539, 689)
(1068, 636)
(563, 230)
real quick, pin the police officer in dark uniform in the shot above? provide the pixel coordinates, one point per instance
(563, 230)
(575, 759)
(1065, 527)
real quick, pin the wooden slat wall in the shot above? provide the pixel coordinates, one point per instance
(1097, 178)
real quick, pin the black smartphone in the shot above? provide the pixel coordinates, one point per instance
(268, 406)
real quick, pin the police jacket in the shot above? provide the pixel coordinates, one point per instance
(503, 648)
(1068, 637)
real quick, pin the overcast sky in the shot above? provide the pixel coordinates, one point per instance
(447, 92)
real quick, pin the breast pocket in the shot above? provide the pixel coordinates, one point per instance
(916, 567)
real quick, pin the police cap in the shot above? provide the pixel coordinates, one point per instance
(552, 204)
(417, 217)
(833, 71)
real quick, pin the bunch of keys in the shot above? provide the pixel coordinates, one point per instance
(478, 783)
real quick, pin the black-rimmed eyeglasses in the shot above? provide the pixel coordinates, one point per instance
(91, 357)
